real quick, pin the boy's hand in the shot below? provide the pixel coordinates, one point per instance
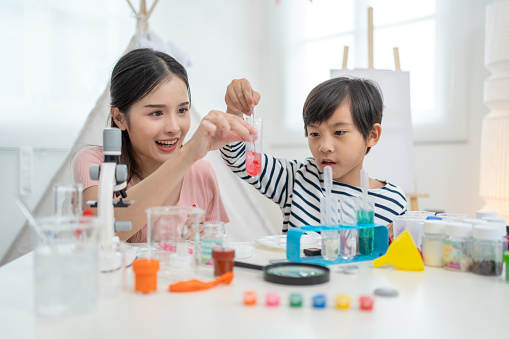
(240, 97)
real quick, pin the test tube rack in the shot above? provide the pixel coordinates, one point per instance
(293, 250)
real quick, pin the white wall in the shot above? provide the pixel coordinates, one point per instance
(224, 39)
(230, 39)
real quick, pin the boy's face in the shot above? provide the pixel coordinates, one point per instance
(339, 144)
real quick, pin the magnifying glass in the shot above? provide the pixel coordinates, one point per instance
(291, 273)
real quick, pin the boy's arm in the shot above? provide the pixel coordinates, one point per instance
(275, 180)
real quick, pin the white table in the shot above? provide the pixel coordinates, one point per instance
(435, 303)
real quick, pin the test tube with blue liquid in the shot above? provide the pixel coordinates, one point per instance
(365, 216)
(329, 216)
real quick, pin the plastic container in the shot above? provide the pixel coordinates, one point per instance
(506, 260)
(452, 217)
(145, 271)
(485, 214)
(487, 251)
(433, 243)
(223, 260)
(500, 223)
(457, 247)
(213, 237)
(66, 266)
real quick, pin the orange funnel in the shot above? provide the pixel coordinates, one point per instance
(403, 254)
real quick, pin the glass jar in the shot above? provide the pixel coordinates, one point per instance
(487, 250)
(500, 223)
(213, 237)
(433, 243)
(457, 247)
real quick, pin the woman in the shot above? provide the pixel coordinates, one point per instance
(150, 101)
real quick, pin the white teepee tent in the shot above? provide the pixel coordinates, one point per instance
(246, 224)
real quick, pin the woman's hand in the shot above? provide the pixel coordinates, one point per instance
(216, 130)
(240, 97)
(188, 229)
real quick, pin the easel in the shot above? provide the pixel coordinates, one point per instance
(412, 197)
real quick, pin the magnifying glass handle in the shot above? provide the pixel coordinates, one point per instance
(246, 265)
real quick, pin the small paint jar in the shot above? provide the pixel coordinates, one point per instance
(343, 301)
(457, 247)
(433, 243)
(272, 299)
(250, 298)
(223, 260)
(487, 250)
(366, 302)
(145, 271)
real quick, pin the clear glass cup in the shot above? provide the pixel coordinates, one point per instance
(68, 200)
(167, 226)
(66, 266)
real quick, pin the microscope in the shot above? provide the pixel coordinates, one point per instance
(112, 178)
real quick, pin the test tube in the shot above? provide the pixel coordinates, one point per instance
(329, 218)
(348, 217)
(254, 148)
(365, 216)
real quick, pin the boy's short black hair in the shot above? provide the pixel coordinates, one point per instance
(365, 97)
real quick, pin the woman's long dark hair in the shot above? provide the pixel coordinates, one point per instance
(134, 76)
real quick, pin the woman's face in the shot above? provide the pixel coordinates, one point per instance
(158, 124)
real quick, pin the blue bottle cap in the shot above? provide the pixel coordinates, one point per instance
(319, 301)
(433, 218)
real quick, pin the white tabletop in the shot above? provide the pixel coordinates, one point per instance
(435, 303)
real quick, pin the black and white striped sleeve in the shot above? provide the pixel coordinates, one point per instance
(276, 178)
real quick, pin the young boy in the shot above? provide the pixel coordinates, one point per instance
(342, 118)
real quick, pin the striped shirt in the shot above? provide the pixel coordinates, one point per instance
(297, 188)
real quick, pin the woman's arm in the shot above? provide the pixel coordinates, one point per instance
(162, 187)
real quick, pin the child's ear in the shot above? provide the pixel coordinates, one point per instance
(374, 136)
(119, 118)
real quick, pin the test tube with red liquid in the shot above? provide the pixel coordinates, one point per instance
(254, 148)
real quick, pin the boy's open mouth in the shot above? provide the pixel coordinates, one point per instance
(327, 162)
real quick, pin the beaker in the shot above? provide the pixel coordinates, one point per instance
(254, 148)
(68, 200)
(66, 266)
(348, 217)
(166, 227)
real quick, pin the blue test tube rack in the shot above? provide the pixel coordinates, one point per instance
(293, 253)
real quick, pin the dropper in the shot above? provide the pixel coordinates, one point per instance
(327, 182)
(364, 188)
(329, 210)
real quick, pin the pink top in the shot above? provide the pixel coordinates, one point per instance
(198, 188)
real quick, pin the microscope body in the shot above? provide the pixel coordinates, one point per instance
(112, 178)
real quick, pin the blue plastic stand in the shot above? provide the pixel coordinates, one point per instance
(381, 243)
